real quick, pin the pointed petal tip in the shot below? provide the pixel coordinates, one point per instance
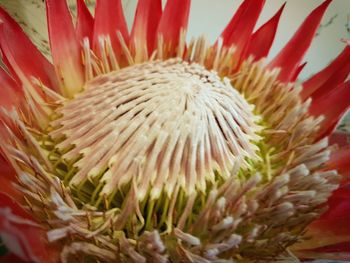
(328, 78)
(85, 21)
(332, 106)
(298, 71)
(174, 18)
(325, 4)
(289, 58)
(147, 16)
(280, 11)
(239, 30)
(109, 19)
(261, 40)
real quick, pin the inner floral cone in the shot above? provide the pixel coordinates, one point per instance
(159, 125)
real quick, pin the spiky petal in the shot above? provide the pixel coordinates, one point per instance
(328, 78)
(298, 71)
(332, 106)
(290, 57)
(173, 20)
(109, 20)
(262, 40)
(147, 17)
(238, 31)
(85, 22)
(65, 48)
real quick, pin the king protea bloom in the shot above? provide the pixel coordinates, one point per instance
(141, 147)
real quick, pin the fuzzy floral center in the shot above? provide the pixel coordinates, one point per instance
(156, 126)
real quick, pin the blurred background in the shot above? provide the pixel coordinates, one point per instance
(210, 17)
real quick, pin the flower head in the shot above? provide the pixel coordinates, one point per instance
(141, 147)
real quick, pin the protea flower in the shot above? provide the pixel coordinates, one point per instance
(141, 147)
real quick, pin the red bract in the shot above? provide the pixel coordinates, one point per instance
(331, 76)
(65, 47)
(144, 30)
(174, 18)
(261, 41)
(239, 31)
(292, 54)
(109, 20)
(85, 22)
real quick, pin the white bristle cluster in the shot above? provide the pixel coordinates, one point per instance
(158, 124)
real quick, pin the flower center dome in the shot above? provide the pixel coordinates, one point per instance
(155, 126)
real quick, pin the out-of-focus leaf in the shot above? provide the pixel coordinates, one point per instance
(30, 14)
